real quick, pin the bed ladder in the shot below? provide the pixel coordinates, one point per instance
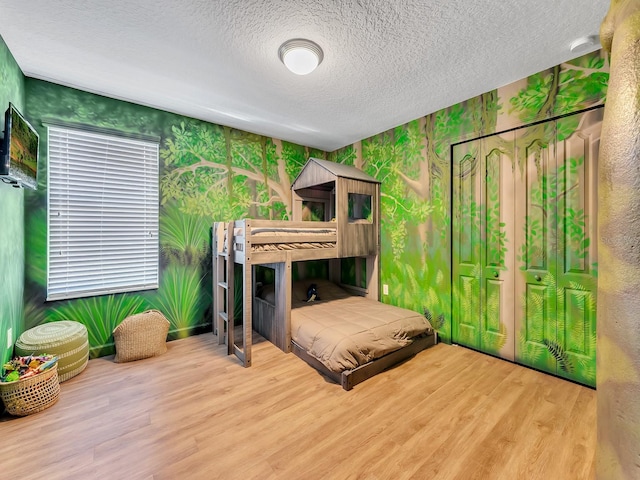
(223, 264)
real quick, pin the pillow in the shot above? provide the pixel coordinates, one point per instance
(324, 289)
(299, 290)
(330, 291)
(141, 336)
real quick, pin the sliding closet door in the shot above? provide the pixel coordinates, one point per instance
(524, 250)
(483, 245)
(536, 219)
(578, 141)
(467, 201)
(497, 232)
(557, 201)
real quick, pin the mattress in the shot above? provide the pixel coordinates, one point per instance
(344, 331)
(288, 236)
(283, 238)
(281, 231)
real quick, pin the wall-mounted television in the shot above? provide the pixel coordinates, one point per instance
(19, 158)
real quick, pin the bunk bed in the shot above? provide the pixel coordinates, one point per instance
(346, 203)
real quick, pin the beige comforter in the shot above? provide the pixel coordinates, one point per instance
(344, 331)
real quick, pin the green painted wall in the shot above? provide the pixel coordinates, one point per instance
(207, 173)
(413, 162)
(239, 174)
(12, 89)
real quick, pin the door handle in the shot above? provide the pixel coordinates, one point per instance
(538, 278)
(496, 274)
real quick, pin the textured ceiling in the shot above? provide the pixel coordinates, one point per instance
(385, 62)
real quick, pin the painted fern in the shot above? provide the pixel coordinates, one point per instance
(559, 354)
(100, 315)
(438, 322)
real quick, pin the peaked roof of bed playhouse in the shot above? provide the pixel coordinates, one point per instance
(317, 172)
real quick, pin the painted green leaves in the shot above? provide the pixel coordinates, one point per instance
(567, 88)
(225, 174)
(100, 315)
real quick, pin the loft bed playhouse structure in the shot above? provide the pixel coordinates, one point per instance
(344, 203)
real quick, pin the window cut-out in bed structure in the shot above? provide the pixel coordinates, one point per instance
(359, 208)
(326, 226)
(314, 211)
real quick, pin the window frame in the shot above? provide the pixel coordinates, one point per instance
(105, 281)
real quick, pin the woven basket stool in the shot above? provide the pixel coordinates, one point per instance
(142, 335)
(65, 339)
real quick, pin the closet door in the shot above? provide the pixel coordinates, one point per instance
(497, 256)
(556, 202)
(524, 250)
(536, 219)
(467, 201)
(483, 245)
(578, 141)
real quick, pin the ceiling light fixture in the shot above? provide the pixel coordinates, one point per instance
(585, 44)
(300, 56)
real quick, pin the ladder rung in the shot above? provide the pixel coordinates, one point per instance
(223, 285)
(224, 316)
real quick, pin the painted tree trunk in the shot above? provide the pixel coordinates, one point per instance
(618, 362)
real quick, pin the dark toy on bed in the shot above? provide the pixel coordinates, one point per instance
(312, 293)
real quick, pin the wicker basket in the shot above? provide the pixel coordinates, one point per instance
(141, 336)
(32, 394)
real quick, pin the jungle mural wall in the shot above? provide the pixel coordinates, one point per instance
(414, 165)
(12, 217)
(207, 173)
(215, 173)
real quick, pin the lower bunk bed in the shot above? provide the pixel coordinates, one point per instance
(346, 337)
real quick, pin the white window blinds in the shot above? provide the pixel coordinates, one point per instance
(103, 214)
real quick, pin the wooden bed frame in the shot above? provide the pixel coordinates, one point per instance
(267, 325)
(350, 378)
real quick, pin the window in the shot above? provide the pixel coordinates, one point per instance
(359, 208)
(313, 211)
(102, 214)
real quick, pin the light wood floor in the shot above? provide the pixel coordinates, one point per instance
(195, 413)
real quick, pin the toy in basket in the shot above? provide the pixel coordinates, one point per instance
(29, 384)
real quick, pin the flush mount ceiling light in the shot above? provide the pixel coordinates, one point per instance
(300, 56)
(585, 44)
